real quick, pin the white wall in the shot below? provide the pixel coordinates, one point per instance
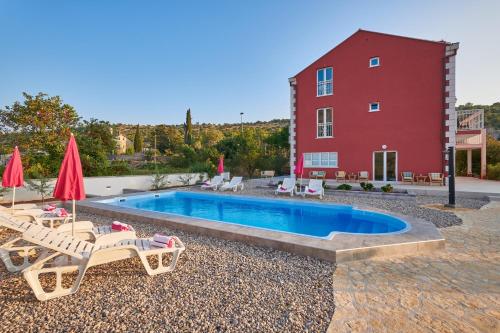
(113, 185)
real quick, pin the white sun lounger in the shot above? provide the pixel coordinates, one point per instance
(234, 184)
(288, 186)
(18, 207)
(213, 184)
(58, 247)
(84, 230)
(315, 188)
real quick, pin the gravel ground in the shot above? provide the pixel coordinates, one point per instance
(218, 286)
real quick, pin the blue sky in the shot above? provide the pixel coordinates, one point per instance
(148, 61)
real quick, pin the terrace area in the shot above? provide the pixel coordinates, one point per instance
(224, 285)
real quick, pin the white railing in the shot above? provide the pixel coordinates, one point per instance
(325, 130)
(470, 119)
(468, 139)
(325, 87)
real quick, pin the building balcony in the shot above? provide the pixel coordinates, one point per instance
(470, 120)
(470, 135)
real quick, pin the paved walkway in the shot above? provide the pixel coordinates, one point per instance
(456, 290)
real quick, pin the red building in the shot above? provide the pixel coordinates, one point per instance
(376, 102)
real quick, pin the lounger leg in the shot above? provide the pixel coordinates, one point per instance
(32, 276)
(23, 251)
(161, 268)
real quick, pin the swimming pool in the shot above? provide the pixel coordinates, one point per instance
(291, 216)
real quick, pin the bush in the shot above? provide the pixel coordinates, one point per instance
(119, 168)
(387, 188)
(207, 167)
(493, 171)
(344, 187)
(367, 186)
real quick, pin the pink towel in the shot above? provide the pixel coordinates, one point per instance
(60, 212)
(118, 226)
(163, 241)
(49, 208)
(311, 190)
(206, 183)
(282, 188)
(163, 245)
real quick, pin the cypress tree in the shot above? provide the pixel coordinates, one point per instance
(138, 140)
(188, 127)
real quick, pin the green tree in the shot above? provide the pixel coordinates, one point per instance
(138, 140)
(188, 128)
(40, 126)
(168, 138)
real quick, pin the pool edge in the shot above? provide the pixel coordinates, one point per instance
(422, 237)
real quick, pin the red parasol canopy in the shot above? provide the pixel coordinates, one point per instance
(299, 168)
(220, 168)
(13, 174)
(69, 185)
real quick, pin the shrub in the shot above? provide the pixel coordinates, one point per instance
(367, 186)
(206, 166)
(119, 168)
(387, 188)
(493, 171)
(345, 187)
(159, 181)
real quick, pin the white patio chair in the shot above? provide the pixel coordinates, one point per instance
(234, 184)
(315, 188)
(288, 186)
(213, 184)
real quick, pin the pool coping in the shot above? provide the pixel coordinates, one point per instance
(422, 237)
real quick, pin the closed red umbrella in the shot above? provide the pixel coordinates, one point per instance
(69, 185)
(13, 174)
(299, 168)
(220, 167)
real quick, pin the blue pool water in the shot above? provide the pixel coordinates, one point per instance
(293, 216)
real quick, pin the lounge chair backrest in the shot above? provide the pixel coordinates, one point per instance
(235, 181)
(340, 173)
(435, 175)
(315, 184)
(288, 183)
(216, 180)
(60, 242)
(225, 175)
(363, 174)
(267, 173)
(13, 223)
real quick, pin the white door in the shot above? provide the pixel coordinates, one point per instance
(385, 166)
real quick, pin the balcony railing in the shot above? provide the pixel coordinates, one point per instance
(468, 139)
(470, 119)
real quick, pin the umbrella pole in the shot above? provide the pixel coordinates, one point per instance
(74, 218)
(13, 197)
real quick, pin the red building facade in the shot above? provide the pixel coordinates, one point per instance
(378, 103)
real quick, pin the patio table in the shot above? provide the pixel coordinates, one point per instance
(51, 218)
(352, 177)
(421, 180)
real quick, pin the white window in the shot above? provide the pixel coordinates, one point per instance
(374, 107)
(324, 123)
(325, 81)
(374, 62)
(323, 160)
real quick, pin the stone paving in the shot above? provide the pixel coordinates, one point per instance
(456, 290)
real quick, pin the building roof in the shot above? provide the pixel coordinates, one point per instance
(377, 33)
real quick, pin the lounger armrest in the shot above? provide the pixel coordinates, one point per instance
(78, 226)
(115, 237)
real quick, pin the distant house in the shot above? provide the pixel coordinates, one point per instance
(122, 144)
(379, 103)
